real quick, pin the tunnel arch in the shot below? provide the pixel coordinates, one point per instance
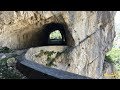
(47, 29)
(56, 37)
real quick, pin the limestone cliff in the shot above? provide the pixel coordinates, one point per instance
(89, 35)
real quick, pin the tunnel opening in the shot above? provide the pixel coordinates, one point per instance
(55, 37)
(55, 34)
(51, 34)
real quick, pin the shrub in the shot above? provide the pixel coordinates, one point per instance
(114, 56)
(9, 72)
(5, 50)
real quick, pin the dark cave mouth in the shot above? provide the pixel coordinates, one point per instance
(51, 34)
(55, 34)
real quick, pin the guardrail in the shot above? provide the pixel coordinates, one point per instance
(33, 70)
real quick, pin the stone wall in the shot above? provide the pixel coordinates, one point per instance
(90, 35)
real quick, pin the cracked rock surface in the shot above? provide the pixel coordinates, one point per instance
(92, 35)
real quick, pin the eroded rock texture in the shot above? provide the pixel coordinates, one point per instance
(89, 35)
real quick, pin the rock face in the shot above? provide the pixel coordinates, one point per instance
(109, 70)
(53, 56)
(88, 34)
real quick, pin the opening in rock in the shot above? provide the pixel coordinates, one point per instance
(55, 34)
(55, 37)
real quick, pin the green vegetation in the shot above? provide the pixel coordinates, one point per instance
(5, 50)
(49, 54)
(113, 56)
(55, 35)
(7, 66)
(108, 59)
(50, 60)
(8, 71)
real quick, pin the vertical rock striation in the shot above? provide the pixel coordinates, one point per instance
(89, 36)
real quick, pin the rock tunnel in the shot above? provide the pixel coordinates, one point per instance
(43, 36)
(32, 29)
(48, 29)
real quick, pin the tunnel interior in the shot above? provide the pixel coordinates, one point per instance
(53, 34)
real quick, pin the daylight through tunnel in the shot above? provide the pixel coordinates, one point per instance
(55, 34)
